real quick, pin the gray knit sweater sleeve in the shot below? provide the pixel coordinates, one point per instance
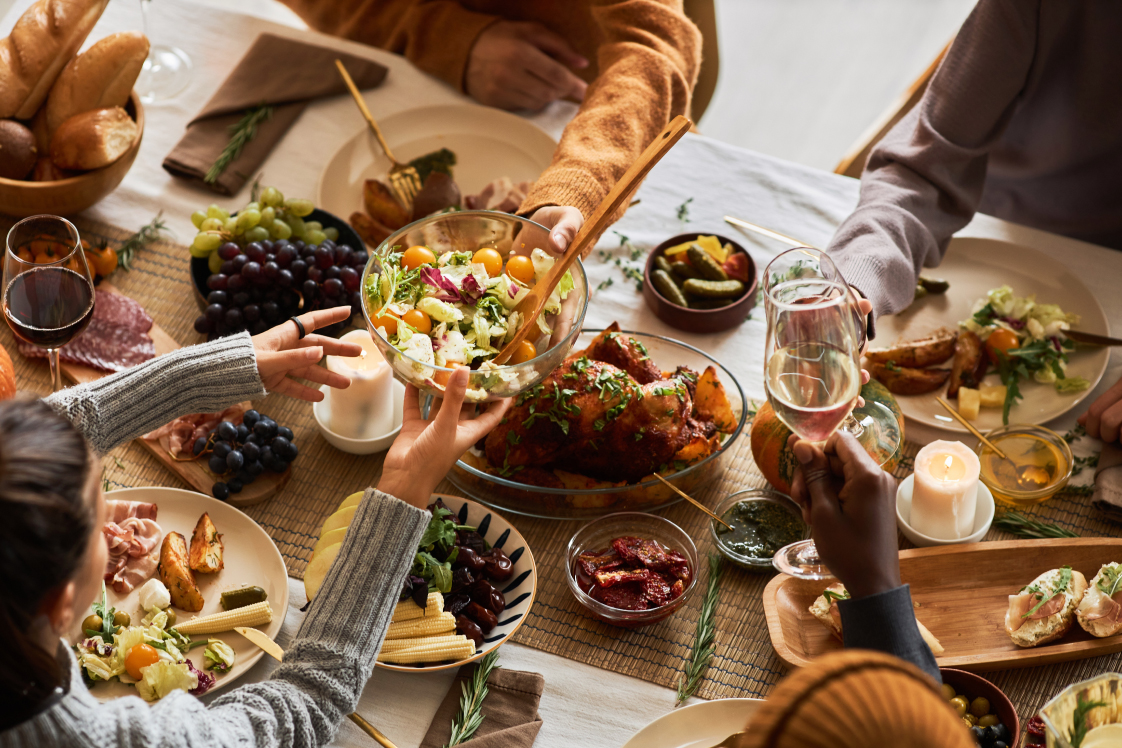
(317, 685)
(924, 180)
(202, 378)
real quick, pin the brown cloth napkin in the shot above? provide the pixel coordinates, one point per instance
(276, 70)
(510, 711)
(1107, 497)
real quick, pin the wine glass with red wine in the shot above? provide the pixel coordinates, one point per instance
(48, 290)
(812, 363)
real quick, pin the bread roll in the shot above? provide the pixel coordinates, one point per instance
(43, 40)
(17, 150)
(1045, 610)
(92, 139)
(46, 171)
(1099, 614)
(100, 77)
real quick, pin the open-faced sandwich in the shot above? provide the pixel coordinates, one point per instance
(1045, 610)
(825, 609)
(1100, 611)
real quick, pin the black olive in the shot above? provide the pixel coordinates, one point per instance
(470, 629)
(485, 618)
(978, 733)
(471, 539)
(484, 593)
(499, 567)
(469, 558)
(461, 577)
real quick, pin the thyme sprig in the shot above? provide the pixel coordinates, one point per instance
(1018, 524)
(703, 645)
(142, 238)
(243, 131)
(470, 716)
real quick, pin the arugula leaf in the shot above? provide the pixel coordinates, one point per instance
(831, 596)
(1111, 581)
(440, 532)
(1079, 726)
(437, 574)
(1060, 585)
(102, 609)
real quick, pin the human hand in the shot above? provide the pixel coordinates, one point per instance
(427, 449)
(563, 222)
(850, 505)
(1104, 418)
(522, 65)
(281, 355)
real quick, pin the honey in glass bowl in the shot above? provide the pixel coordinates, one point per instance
(1037, 464)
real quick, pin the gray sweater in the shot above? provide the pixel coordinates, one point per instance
(1023, 121)
(333, 654)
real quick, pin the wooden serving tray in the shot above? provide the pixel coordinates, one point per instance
(961, 593)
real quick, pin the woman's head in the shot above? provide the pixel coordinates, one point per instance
(49, 564)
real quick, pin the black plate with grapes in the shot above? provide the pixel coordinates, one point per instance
(239, 453)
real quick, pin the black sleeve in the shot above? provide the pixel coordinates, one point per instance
(886, 622)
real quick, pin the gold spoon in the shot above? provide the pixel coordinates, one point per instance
(692, 500)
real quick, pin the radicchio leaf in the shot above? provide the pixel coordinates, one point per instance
(436, 279)
(471, 290)
(206, 681)
(1016, 324)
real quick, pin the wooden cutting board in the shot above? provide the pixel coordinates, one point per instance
(962, 593)
(193, 472)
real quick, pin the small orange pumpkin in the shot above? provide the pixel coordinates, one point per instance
(7, 376)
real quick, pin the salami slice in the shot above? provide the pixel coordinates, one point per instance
(116, 339)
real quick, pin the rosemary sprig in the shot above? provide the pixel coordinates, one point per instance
(470, 716)
(146, 235)
(703, 646)
(1079, 725)
(1019, 524)
(241, 133)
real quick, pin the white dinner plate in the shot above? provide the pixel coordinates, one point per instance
(488, 143)
(973, 267)
(700, 725)
(250, 558)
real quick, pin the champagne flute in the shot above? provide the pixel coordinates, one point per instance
(166, 72)
(812, 369)
(48, 290)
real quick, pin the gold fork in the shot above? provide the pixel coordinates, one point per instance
(404, 179)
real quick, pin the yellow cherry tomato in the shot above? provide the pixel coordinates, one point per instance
(442, 377)
(101, 260)
(140, 656)
(387, 321)
(416, 256)
(491, 259)
(1000, 342)
(523, 353)
(521, 269)
(418, 320)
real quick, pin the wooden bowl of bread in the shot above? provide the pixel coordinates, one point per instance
(70, 124)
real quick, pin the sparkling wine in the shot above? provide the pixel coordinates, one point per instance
(812, 387)
(49, 306)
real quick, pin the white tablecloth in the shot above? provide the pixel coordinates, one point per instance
(795, 200)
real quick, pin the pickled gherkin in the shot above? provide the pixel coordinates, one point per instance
(665, 285)
(242, 597)
(713, 289)
(683, 271)
(704, 264)
(662, 263)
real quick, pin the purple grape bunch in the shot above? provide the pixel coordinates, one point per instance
(241, 453)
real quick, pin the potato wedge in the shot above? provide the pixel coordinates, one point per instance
(902, 380)
(917, 354)
(382, 205)
(372, 232)
(206, 547)
(711, 401)
(969, 363)
(175, 572)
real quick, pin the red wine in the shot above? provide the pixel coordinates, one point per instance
(812, 388)
(49, 306)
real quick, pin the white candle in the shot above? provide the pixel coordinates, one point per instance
(945, 495)
(365, 409)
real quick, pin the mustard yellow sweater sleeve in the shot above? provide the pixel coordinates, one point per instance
(648, 63)
(435, 35)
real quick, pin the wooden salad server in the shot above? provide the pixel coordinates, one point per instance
(534, 302)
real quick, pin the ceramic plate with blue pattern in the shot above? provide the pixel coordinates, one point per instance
(519, 590)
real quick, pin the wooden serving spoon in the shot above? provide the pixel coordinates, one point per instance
(534, 303)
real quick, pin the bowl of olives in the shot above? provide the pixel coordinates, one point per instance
(987, 711)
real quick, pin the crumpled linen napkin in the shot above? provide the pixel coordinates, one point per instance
(1107, 497)
(282, 72)
(510, 711)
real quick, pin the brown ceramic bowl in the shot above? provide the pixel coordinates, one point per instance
(972, 686)
(21, 198)
(699, 320)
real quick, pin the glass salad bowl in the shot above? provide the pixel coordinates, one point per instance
(583, 497)
(469, 231)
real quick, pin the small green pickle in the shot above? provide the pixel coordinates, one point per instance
(240, 598)
(713, 289)
(662, 263)
(669, 290)
(709, 268)
(682, 271)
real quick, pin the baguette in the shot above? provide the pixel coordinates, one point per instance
(102, 76)
(826, 611)
(93, 139)
(1045, 610)
(1100, 613)
(43, 40)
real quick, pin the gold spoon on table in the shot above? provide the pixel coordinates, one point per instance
(692, 500)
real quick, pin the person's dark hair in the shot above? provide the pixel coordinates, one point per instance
(45, 525)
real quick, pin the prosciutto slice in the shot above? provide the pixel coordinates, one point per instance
(502, 194)
(1023, 602)
(133, 539)
(119, 511)
(1105, 608)
(178, 437)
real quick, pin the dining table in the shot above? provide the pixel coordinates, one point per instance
(698, 183)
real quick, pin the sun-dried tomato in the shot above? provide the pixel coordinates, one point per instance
(657, 590)
(627, 547)
(653, 556)
(1035, 730)
(677, 589)
(621, 576)
(592, 562)
(627, 596)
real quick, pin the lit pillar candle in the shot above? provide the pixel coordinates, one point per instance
(945, 494)
(365, 409)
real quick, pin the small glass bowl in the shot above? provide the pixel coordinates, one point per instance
(763, 496)
(599, 534)
(1024, 498)
(467, 231)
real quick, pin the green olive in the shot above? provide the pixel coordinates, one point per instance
(121, 618)
(171, 616)
(93, 622)
(971, 719)
(980, 706)
(960, 705)
(988, 720)
(948, 691)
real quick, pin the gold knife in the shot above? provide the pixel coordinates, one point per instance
(1091, 339)
(270, 647)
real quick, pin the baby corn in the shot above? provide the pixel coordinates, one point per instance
(442, 623)
(407, 610)
(251, 615)
(396, 645)
(432, 652)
